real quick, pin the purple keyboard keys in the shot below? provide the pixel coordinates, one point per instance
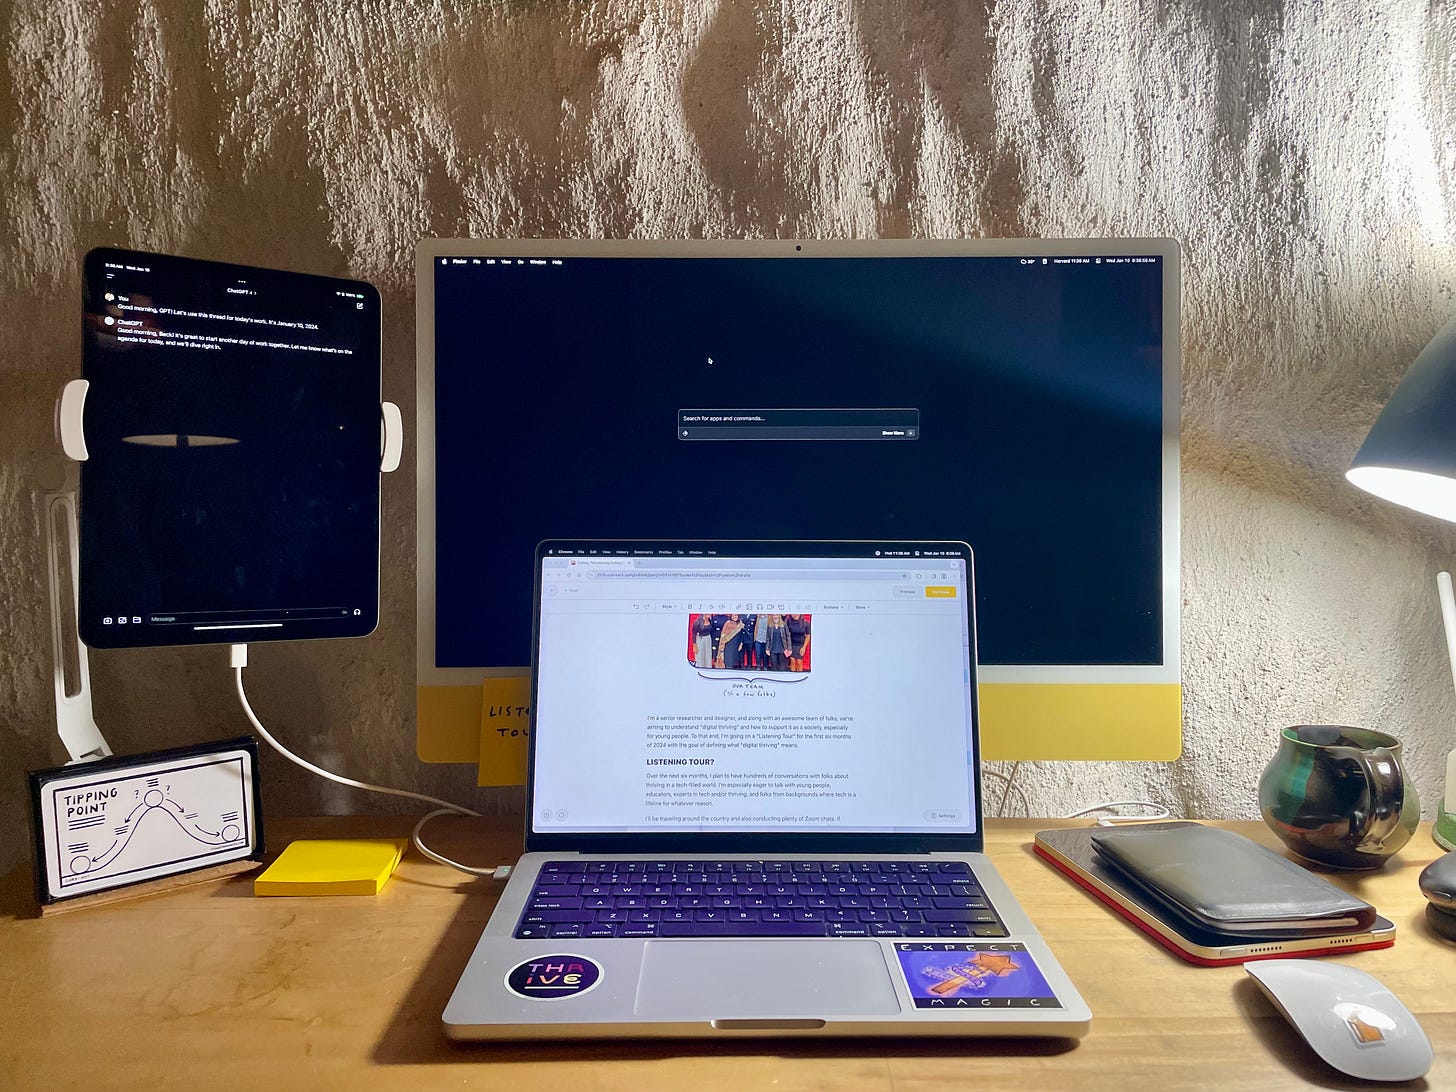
(601, 899)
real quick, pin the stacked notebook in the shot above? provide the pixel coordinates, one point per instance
(1213, 896)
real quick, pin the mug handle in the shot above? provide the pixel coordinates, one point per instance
(1386, 786)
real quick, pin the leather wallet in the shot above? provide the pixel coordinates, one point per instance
(1222, 880)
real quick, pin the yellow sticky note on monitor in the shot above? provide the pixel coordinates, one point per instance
(505, 729)
(328, 866)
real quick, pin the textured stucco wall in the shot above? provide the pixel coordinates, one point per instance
(1305, 155)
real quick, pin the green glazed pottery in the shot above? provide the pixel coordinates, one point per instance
(1338, 795)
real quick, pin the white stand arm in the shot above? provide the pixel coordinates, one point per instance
(75, 722)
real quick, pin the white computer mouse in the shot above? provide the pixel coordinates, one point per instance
(1352, 1021)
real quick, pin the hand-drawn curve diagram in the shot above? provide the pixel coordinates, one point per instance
(170, 814)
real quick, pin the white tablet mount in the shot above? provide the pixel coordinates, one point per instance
(75, 721)
(71, 406)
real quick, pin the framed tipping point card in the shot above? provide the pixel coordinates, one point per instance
(122, 822)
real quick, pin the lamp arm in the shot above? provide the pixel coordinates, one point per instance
(1448, 619)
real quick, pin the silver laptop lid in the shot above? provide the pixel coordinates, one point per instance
(754, 696)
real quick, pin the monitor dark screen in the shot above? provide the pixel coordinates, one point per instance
(232, 423)
(1013, 401)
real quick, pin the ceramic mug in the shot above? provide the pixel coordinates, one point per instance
(1338, 795)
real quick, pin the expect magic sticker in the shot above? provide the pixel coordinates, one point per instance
(553, 977)
(958, 975)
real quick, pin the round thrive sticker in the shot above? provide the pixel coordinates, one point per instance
(552, 977)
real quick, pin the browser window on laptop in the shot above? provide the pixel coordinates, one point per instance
(683, 692)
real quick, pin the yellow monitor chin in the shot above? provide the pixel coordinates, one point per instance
(1128, 722)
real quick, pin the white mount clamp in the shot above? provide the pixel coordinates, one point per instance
(71, 408)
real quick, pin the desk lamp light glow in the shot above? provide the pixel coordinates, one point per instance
(1409, 457)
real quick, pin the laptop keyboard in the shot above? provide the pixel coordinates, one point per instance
(757, 899)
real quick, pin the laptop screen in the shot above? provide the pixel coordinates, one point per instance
(694, 693)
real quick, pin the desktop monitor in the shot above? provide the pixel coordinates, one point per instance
(1019, 395)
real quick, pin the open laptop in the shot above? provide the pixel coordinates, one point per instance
(754, 806)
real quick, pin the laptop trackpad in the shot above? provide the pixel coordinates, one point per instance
(740, 979)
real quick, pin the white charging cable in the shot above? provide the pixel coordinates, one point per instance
(1157, 811)
(239, 660)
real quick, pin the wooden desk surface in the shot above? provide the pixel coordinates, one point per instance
(211, 986)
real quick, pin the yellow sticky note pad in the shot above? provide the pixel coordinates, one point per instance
(505, 729)
(327, 866)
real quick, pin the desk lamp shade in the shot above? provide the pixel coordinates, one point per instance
(1409, 457)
